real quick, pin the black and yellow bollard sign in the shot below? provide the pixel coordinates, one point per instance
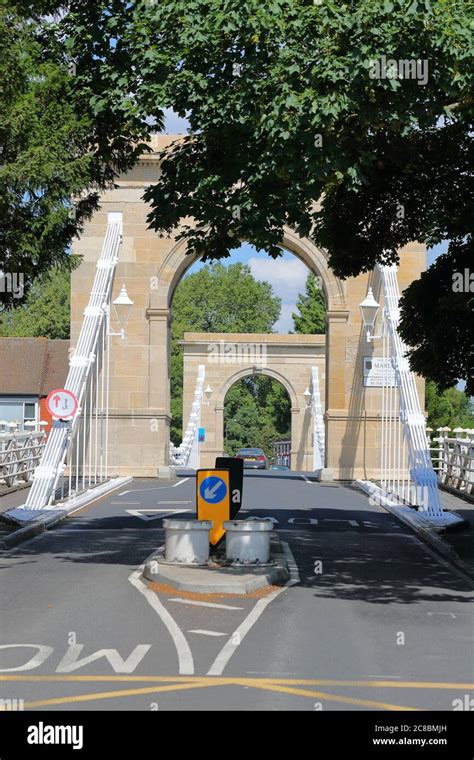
(213, 500)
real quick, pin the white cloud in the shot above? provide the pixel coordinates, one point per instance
(286, 275)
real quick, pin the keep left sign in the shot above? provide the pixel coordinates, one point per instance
(62, 404)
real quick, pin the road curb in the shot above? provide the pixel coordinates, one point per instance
(409, 517)
(222, 580)
(42, 522)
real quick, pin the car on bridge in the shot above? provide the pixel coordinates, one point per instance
(254, 459)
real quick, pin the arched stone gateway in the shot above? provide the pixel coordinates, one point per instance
(229, 357)
(152, 267)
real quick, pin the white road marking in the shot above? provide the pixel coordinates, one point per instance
(354, 523)
(71, 662)
(208, 633)
(71, 529)
(147, 516)
(239, 634)
(185, 657)
(153, 488)
(206, 604)
(379, 676)
(174, 502)
(34, 662)
(451, 614)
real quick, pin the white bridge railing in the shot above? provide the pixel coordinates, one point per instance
(187, 453)
(20, 454)
(453, 457)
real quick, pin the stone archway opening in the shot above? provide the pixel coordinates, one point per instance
(257, 414)
(192, 310)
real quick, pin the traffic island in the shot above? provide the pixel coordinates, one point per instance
(220, 575)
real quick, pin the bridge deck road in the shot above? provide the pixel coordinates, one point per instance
(371, 619)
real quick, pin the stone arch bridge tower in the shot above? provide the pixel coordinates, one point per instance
(151, 267)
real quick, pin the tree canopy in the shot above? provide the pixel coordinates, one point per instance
(67, 126)
(347, 120)
(289, 126)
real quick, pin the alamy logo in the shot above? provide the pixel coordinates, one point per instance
(403, 68)
(45, 734)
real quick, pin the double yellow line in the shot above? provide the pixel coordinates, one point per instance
(296, 687)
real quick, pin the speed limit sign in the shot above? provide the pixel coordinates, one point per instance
(62, 404)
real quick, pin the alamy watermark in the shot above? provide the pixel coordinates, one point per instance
(12, 282)
(12, 705)
(401, 68)
(226, 352)
(463, 282)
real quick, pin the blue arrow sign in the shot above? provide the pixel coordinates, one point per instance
(213, 489)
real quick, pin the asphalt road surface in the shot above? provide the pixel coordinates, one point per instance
(371, 618)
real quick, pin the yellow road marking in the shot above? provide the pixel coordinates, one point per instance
(183, 683)
(261, 684)
(114, 694)
(218, 681)
(332, 697)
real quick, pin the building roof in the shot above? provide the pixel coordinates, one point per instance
(32, 366)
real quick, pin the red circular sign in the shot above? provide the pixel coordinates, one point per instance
(62, 404)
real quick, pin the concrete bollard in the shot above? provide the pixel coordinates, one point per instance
(248, 541)
(187, 541)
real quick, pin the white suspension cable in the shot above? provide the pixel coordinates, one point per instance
(80, 381)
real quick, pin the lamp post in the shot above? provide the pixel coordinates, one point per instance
(369, 310)
(122, 307)
(207, 393)
(307, 395)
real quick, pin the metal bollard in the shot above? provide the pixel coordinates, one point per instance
(187, 541)
(248, 541)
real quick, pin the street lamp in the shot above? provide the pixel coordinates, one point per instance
(307, 397)
(369, 309)
(122, 306)
(207, 393)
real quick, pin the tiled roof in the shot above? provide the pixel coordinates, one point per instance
(32, 366)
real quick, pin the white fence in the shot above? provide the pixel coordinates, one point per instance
(453, 457)
(20, 453)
